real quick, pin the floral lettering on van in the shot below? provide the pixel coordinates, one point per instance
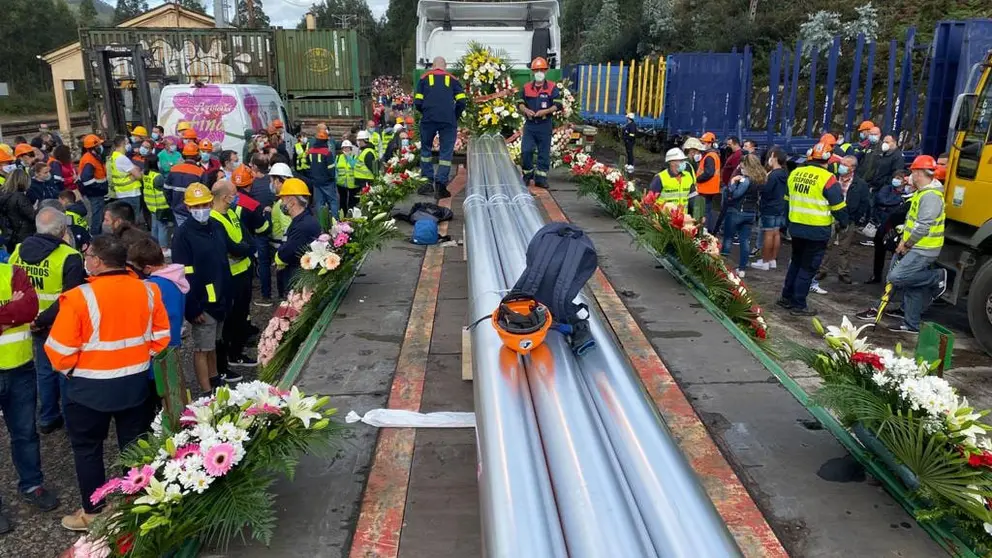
(205, 109)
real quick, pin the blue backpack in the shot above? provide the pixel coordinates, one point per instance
(425, 232)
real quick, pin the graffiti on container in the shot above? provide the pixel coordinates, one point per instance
(204, 109)
(207, 64)
(319, 60)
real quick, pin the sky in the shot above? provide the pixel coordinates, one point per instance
(286, 13)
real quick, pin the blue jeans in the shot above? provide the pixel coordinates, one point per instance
(710, 217)
(326, 195)
(738, 223)
(805, 262)
(18, 395)
(914, 275)
(97, 204)
(51, 385)
(446, 132)
(160, 231)
(536, 136)
(263, 252)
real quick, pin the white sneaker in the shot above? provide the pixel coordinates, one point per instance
(772, 264)
(760, 264)
(740, 273)
(816, 288)
(167, 253)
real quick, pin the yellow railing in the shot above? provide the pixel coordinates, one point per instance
(637, 86)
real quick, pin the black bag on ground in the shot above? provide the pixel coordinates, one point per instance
(560, 259)
(420, 210)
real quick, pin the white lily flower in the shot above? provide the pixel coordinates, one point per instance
(848, 335)
(301, 407)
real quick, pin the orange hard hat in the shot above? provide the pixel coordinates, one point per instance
(708, 137)
(521, 322)
(189, 133)
(242, 177)
(190, 150)
(277, 124)
(821, 152)
(923, 162)
(23, 149)
(91, 140)
(5, 157)
(866, 125)
(538, 63)
(410, 120)
(206, 145)
(828, 139)
(941, 173)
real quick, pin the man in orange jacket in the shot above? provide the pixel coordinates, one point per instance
(103, 339)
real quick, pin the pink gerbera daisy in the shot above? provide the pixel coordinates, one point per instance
(219, 460)
(109, 487)
(265, 409)
(137, 479)
(189, 449)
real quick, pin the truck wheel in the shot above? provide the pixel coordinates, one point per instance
(980, 306)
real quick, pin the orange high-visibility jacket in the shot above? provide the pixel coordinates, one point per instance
(108, 328)
(711, 186)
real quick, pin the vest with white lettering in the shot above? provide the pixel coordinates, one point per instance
(154, 198)
(15, 342)
(232, 226)
(46, 275)
(122, 184)
(676, 189)
(935, 236)
(807, 204)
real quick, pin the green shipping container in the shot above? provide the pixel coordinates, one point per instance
(322, 63)
(322, 109)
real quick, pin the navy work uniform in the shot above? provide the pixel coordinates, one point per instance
(538, 130)
(441, 101)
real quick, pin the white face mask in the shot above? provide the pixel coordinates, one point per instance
(538, 76)
(697, 157)
(201, 215)
(886, 147)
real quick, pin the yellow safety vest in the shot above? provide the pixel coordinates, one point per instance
(154, 198)
(46, 275)
(362, 172)
(15, 342)
(122, 184)
(77, 219)
(232, 225)
(675, 190)
(935, 236)
(302, 162)
(345, 172)
(807, 204)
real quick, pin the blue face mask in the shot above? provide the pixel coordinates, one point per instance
(405, 143)
(842, 170)
(135, 139)
(156, 136)
(897, 183)
(863, 135)
(682, 166)
(234, 201)
(204, 156)
(873, 139)
(143, 150)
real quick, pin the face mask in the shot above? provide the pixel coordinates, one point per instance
(538, 76)
(697, 157)
(128, 148)
(682, 166)
(107, 229)
(201, 215)
(716, 146)
(170, 148)
(143, 150)
(156, 135)
(135, 139)
(405, 143)
(86, 268)
(204, 156)
(272, 187)
(897, 183)
(886, 147)
(99, 150)
(303, 140)
(873, 139)
(863, 136)
(842, 170)
(7, 169)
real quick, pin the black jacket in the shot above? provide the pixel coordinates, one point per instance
(302, 230)
(201, 249)
(33, 251)
(858, 201)
(16, 218)
(322, 166)
(888, 164)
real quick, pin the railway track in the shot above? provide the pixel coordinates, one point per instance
(29, 128)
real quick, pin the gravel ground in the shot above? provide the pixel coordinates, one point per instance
(40, 535)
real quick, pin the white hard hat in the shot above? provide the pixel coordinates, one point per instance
(281, 169)
(398, 128)
(675, 154)
(362, 135)
(630, 115)
(345, 144)
(694, 143)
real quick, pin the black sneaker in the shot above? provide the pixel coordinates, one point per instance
(49, 428)
(784, 303)
(903, 328)
(242, 361)
(803, 312)
(867, 315)
(754, 252)
(41, 499)
(5, 526)
(895, 313)
(443, 193)
(231, 377)
(942, 285)
(264, 301)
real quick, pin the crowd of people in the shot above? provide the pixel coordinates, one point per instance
(840, 195)
(149, 241)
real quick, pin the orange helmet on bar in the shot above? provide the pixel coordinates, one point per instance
(521, 322)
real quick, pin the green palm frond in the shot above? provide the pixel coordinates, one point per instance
(855, 404)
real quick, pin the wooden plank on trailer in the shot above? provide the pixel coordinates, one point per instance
(466, 354)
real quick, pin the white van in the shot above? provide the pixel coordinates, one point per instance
(225, 114)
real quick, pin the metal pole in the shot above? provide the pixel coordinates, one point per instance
(679, 516)
(598, 513)
(519, 517)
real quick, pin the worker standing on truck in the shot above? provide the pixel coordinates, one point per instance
(815, 202)
(93, 180)
(538, 101)
(912, 269)
(629, 135)
(440, 100)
